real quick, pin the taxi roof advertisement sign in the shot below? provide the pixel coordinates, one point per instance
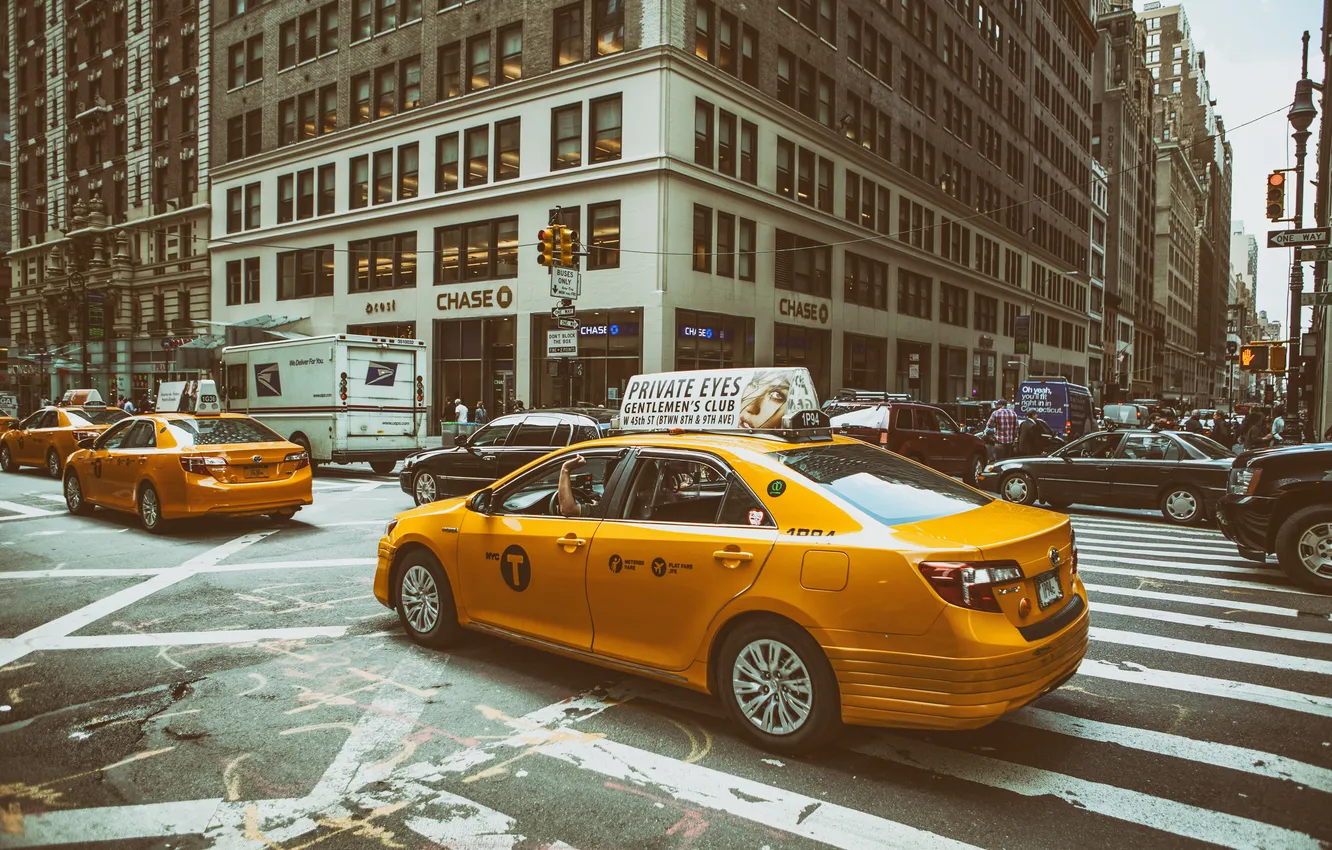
(721, 399)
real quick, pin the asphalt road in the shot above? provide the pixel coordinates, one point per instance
(234, 684)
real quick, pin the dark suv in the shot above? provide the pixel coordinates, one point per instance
(921, 432)
(498, 448)
(1280, 500)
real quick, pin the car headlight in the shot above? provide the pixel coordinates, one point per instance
(990, 467)
(388, 529)
(408, 463)
(1244, 482)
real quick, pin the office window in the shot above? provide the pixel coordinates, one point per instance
(328, 27)
(252, 196)
(478, 62)
(726, 153)
(481, 250)
(245, 135)
(914, 294)
(825, 185)
(359, 191)
(383, 177)
(409, 168)
(568, 35)
(360, 95)
(477, 143)
(328, 108)
(507, 138)
(385, 262)
(386, 16)
(801, 265)
(287, 121)
(866, 281)
(245, 62)
(986, 313)
(702, 238)
(286, 192)
(306, 115)
(749, 152)
(510, 43)
(785, 168)
(386, 92)
(233, 282)
(446, 162)
(608, 26)
(305, 274)
(251, 278)
(748, 247)
(328, 177)
(363, 19)
(703, 47)
(703, 115)
(952, 304)
(786, 69)
(409, 82)
(607, 127)
(305, 193)
(235, 210)
(725, 244)
(448, 68)
(566, 137)
(604, 222)
(749, 39)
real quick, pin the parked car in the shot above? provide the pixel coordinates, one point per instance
(1181, 474)
(499, 447)
(1279, 500)
(921, 432)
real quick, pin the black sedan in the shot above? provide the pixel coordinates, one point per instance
(498, 448)
(1182, 474)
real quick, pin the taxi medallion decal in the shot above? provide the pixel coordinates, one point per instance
(776, 488)
(516, 568)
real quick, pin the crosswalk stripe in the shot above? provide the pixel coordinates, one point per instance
(1228, 756)
(1111, 801)
(1130, 525)
(1133, 673)
(1228, 604)
(24, 510)
(1201, 560)
(1274, 660)
(1119, 544)
(1255, 570)
(1126, 539)
(1189, 578)
(1214, 623)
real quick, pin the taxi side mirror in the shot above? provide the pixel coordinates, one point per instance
(87, 442)
(480, 502)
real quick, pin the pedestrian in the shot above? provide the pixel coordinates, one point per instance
(1029, 435)
(1221, 431)
(1194, 425)
(480, 416)
(1004, 423)
(128, 406)
(1278, 434)
(459, 411)
(1255, 431)
(518, 406)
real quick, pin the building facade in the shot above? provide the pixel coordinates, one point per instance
(111, 207)
(872, 193)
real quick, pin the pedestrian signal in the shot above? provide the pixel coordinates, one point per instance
(1253, 357)
(1276, 359)
(1276, 196)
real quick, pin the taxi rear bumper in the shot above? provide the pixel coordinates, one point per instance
(911, 685)
(207, 496)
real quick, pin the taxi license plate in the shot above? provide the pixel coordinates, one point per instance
(261, 471)
(1048, 590)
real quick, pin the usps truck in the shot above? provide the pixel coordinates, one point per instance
(344, 398)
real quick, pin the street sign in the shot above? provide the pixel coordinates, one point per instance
(565, 283)
(567, 323)
(1315, 255)
(1296, 238)
(563, 311)
(562, 343)
(1316, 299)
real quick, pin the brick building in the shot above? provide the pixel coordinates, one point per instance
(872, 190)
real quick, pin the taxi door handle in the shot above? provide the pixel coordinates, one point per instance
(570, 542)
(726, 556)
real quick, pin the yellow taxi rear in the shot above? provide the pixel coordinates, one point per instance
(242, 479)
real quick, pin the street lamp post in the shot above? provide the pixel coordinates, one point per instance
(1301, 115)
(76, 296)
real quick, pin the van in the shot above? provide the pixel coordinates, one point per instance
(1066, 407)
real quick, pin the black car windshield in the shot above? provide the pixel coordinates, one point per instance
(889, 488)
(200, 431)
(1211, 449)
(94, 415)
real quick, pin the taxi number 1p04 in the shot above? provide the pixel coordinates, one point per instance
(1048, 590)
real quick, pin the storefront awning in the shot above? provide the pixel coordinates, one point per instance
(202, 351)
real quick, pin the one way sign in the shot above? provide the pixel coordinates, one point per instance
(1295, 238)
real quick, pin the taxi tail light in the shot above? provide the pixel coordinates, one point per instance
(83, 435)
(970, 584)
(199, 464)
(301, 459)
(1073, 548)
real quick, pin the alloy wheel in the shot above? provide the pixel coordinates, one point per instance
(419, 597)
(772, 686)
(53, 463)
(149, 509)
(1315, 549)
(73, 493)
(424, 489)
(1182, 505)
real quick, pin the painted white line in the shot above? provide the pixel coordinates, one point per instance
(1115, 542)
(50, 497)
(44, 644)
(1136, 674)
(1274, 660)
(1254, 571)
(1190, 578)
(1165, 528)
(1214, 623)
(112, 823)
(25, 510)
(219, 568)
(1107, 800)
(110, 572)
(293, 565)
(1183, 552)
(1151, 532)
(1228, 604)
(1228, 756)
(30, 516)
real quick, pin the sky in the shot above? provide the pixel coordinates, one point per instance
(1253, 61)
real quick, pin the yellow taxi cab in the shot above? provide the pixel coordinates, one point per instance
(804, 578)
(49, 435)
(172, 465)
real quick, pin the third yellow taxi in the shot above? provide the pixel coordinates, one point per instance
(804, 578)
(202, 462)
(48, 436)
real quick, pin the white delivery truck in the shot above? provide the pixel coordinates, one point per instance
(344, 398)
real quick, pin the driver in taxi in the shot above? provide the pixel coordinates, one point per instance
(570, 506)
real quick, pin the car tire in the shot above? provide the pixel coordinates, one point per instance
(7, 459)
(149, 504)
(746, 659)
(424, 488)
(54, 467)
(425, 600)
(1252, 555)
(974, 470)
(1018, 488)
(74, 499)
(1304, 547)
(382, 467)
(1058, 505)
(1182, 505)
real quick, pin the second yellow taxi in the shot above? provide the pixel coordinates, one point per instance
(806, 579)
(50, 434)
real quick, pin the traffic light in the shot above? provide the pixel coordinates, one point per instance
(546, 247)
(1254, 356)
(567, 240)
(1276, 196)
(1276, 359)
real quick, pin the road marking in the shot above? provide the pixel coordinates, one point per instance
(1177, 565)
(1136, 674)
(113, 823)
(38, 515)
(1227, 756)
(1215, 623)
(50, 497)
(25, 510)
(1274, 660)
(1228, 604)
(1145, 526)
(1108, 800)
(219, 568)
(1165, 550)
(1189, 578)
(220, 636)
(1116, 543)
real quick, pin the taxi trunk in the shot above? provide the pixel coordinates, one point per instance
(245, 463)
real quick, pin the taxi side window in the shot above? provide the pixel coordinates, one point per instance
(49, 419)
(535, 494)
(115, 437)
(31, 422)
(141, 435)
(740, 507)
(676, 490)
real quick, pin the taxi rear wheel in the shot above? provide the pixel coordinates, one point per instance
(283, 516)
(7, 459)
(778, 687)
(1018, 488)
(53, 466)
(425, 601)
(74, 495)
(150, 510)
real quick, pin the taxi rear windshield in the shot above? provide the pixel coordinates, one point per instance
(219, 432)
(94, 416)
(888, 488)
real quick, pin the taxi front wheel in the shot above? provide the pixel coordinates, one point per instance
(74, 495)
(7, 459)
(425, 601)
(777, 685)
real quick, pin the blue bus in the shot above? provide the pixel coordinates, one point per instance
(1066, 407)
